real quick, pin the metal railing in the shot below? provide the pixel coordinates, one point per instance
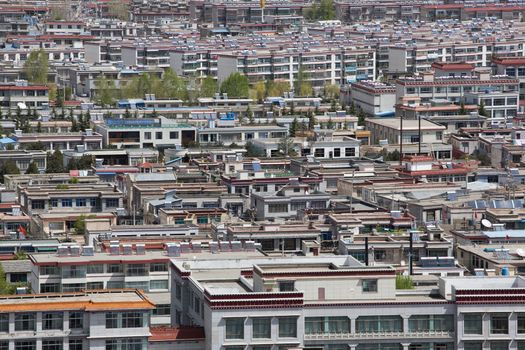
(378, 335)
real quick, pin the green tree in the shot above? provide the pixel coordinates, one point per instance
(8, 167)
(208, 87)
(311, 121)
(285, 146)
(481, 109)
(331, 92)
(105, 92)
(325, 10)
(172, 86)
(330, 124)
(55, 162)
(32, 168)
(361, 116)
(294, 126)
(277, 88)
(252, 150)
(127, 114)
(118, 9)
(82, 163)
(302, 86)
(249, 114)
(258, 92)
(36, 67)
(236, 86)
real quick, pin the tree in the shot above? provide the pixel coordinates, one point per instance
(277, 88)
(32, 168)
(249, 114)
(8, 167)
(330, 124)
(311, 121)
(52, 92)
(360, 117)
(118, 9)
(302, 86)
(294, 126)
(462, 109)
(55, 162)
(325, 10)
(331, 92)
(105, 92)
(259, 91)
(82, 163)
(236, 86)
(285, 146)
(208, 87)
(36, 67)
(172, 86)
(481, 109)
(252, 150)
(127, 114)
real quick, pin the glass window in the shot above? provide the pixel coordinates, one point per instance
(115, 268)
(132, 319)
(67, 203)
(314, 325)
(52, 344)
(287, 327)
(174, 135)
(235, 328)
(4, 345)
(76, 320)
(499, 345)
(369, 286)
(373, 324)
(112, 320)
(520, 345)
(112, 202)
(115, 285)
(95, 268)
(473, 345)
(379, 346)
(25, 322)
(472, 324)
(25, 345)
(136, 270)
(81, 202)
(431, 323)
(262, 327)
(4, 323)
(52, 320)
(158, 284)
(75, 344)
(286, 286)
(521, 323)
(158, 267)
(162, 310)
(499, 324)
(158, 135)
(95, 285)
(349, 152)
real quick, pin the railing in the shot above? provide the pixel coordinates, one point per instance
(378, 335)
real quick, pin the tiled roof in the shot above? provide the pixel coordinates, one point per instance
(159, 334)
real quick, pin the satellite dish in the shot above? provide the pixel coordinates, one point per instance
(520, 252)
(486, 223)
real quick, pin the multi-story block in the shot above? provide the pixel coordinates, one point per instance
(146, 133)
(23, 159)
(87, 140)
(21, 94)
(76, 321)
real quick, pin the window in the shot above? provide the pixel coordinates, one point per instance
(49, 270)
(67, 203)
(115, 285)
(25, 322)
(53, 203)
(319, 152)
(50, 288)
(499, 345)
(373, 324)
(4, 345)
(81, 202)
(124, 320)
(431, 323)
(147, 135)
(75, 344)
(499, 324)
(52, 320)
(95, 268)
(286, 286)
(38, 204)
(235, 328)
(52, 344)
(115, 268)
(93, 202)
(473, 345)
(158, 267)
(141, 285)
(337, 152)
(262, 327)
(25, 345)
(287, 327)
(112, 202)
(369, 286)
(158, 135)
(158, 284)
(174, 135)
(278, 208)
(125, 344)
(521, 323)
(95, 285)
(349, 152)
(4, 323)
(162, 310)
(76, 320)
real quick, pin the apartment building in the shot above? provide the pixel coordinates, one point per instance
(155, 55)
(64, 141)
(23, 159)
(374, 98)
(279, 304)
(75, 321)
(146, 133)
(21, 94)
(513, 67)
(239, 135)
(288, 201)
(322, 65)
(64, 27)
(74, 269)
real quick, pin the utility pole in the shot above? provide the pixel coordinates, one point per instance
(401, 139)
(419, 134)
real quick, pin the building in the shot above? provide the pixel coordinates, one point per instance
(23, 95)
(302, 303)
(374, 98)
(93, 320)
(85, 140)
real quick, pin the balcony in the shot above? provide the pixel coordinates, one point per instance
(378, 335)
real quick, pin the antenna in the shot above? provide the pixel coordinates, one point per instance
(486, 223)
